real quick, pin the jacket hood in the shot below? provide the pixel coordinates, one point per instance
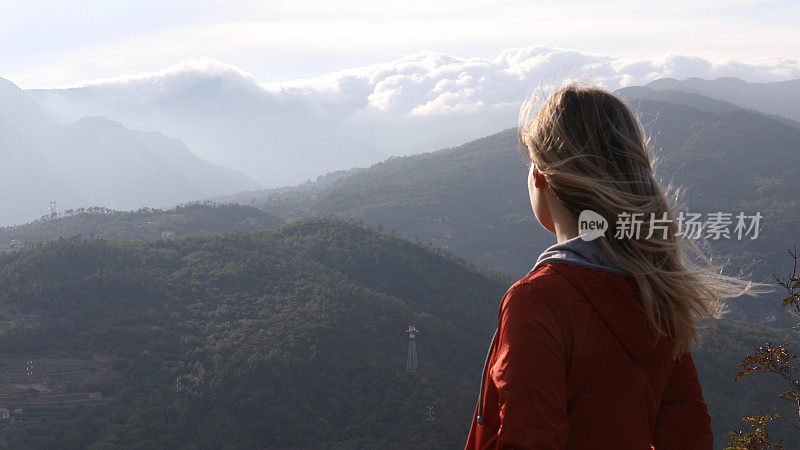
(579, 252)
(611, 290)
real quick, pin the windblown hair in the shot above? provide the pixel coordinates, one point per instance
(593, 153)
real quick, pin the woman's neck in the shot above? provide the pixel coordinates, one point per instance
(566, 230)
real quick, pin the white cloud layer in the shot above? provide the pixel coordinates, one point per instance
(361, 115)
(426, 83)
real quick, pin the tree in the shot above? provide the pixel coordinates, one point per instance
(778, 360)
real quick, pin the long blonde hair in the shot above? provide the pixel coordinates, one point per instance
(592, 151)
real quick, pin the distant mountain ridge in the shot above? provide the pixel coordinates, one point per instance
(635, 94)
(95, 162)
(779, 97)
(472, 200)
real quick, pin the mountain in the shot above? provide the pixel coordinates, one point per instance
(287, 338)
(635, 94)
(144, 223)
(778, 97)
(19, 111)
(97, 162)
(286, 132)
(472, 200)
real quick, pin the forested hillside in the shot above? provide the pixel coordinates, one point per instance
(287, 338)
(145, 223)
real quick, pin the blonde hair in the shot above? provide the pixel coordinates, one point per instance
(593, 153)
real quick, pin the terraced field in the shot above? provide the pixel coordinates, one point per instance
(45, 386)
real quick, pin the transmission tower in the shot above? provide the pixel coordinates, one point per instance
(53, 208)
(411, 361)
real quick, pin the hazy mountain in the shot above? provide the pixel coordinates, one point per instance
(288, 338)
(472, 200)
(286, 132)
(95, 162)
(634, 94)
(779, 97)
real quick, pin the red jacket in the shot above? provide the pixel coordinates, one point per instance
(575, 365)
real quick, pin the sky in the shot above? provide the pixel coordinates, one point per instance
(57, 43)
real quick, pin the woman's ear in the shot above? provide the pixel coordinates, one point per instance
(538, 180)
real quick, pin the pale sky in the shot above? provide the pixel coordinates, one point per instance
(58, 43)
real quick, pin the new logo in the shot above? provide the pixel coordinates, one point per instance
(591, 225)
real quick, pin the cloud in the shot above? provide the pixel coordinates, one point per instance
(430, 83)
(285, 132)
(203, 67)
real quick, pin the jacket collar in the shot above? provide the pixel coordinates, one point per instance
(579, 252)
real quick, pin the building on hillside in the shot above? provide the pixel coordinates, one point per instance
(5, 414)
(169, 234)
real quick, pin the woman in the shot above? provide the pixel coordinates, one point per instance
(592, 346)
